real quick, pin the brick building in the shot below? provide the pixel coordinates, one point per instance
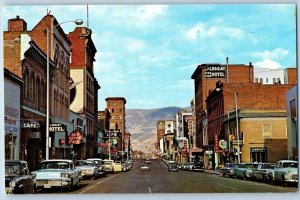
(205, 77)
(261, 121)
(103, 125)
(116, 109)
(24, 58)
(160, 131)
(83, 53)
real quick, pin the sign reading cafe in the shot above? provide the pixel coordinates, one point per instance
(215, 71)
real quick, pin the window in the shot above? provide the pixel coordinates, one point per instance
(267, 130)
(38, 95)
(56, 55)
(261, 80)
(256, 80)
(42, 93)
(32, 84)
(26, 84)
(278, 80)
(274, 80)
(267, 80)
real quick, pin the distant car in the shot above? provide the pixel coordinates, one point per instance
(117, 166)
(57, 173)
(244, 171)
(18, 180)
(88, 168)
(148, 161)
(197, 166)
(284, 172)
(145, 167)
(227, 170)
(260, 174)
(100, 164)
(173, 167)
(109, 166)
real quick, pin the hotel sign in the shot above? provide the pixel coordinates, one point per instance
(215, 71)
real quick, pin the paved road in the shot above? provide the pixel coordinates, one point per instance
(159, 180)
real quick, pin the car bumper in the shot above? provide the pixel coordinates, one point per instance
(62, 183)
(9, 190)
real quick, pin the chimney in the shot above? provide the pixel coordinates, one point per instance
(17, 24)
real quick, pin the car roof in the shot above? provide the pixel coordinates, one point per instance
(58, 160)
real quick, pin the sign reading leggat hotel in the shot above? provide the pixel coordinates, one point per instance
(215, 71)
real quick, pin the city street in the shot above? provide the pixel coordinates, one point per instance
(160, 180)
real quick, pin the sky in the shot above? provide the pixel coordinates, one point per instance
(148, 53)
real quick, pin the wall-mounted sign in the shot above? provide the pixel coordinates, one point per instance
(223, 144)
(75, 137)
(35, 134)
(215, 71)
(57, 128)
(29, 125)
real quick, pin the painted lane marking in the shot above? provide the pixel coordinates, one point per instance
(228, 187)
(88, 188)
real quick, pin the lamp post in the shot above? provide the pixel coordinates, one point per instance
(77, 22)
(237, 128)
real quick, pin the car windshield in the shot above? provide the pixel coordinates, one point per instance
(90, 163)
(230, 165)
(250, 166)
(55, 165)
(290, 164)
(268, 166)
(79, 163)
(99, 162)
(12, 168)
(108, 162)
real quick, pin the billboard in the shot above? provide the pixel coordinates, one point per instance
(215, 71)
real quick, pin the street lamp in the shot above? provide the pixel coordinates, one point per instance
(77, 22)
(237, 128)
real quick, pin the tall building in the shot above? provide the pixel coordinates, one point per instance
(116, 109)
(205, 77)
(85, 101)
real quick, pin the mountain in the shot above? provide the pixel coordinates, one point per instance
(141, 124)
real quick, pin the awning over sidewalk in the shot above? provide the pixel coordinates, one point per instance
(196, 150)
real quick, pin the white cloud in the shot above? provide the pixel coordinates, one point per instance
(149, 12)
(203, 31)
(276, 54)
(134, 45)
(269, 64)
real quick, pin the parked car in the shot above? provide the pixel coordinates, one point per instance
(260, 174)
(145, 167)
(148, 161)
(185, 167)
(108, 165)
(100, 164)
(228, 169)
(173, 167)
(244, 171)
(198, 167)
(117, 166)
(18, 180)
(88, 168)
(57, 173)
(284, 172)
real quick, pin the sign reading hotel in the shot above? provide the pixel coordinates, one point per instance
(215, 71)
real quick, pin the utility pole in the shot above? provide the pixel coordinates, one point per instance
(237, 127)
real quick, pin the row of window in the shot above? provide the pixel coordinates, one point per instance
(118, 110)
(61, 104)
(260, 80)
(61, 60)
(34, 88)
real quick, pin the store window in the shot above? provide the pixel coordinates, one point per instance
(258, 154)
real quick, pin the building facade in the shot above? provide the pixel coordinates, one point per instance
(205, 77)
(116, 109)
(82, 60)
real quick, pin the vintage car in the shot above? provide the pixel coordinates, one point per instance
(100, 164)
(245, 170)
(117, 166)
(260, 174)
(108, 166)
(88, 168)
(284, 172)
(145, 167)
(173, 167)
(197, 167)
(18, 180)
(228, 169)
(57, 173)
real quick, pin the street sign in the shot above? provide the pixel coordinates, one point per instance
(235, 142)
(57, 127)
(223, 144)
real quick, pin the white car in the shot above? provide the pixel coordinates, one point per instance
(57, 173)
(88, 168)
(109, 166)
(100, 164)
(284, 172)
(145, 167)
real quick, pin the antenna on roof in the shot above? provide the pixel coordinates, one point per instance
(48, 12)
(87, 15)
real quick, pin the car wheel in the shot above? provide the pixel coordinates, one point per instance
(244, 177)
